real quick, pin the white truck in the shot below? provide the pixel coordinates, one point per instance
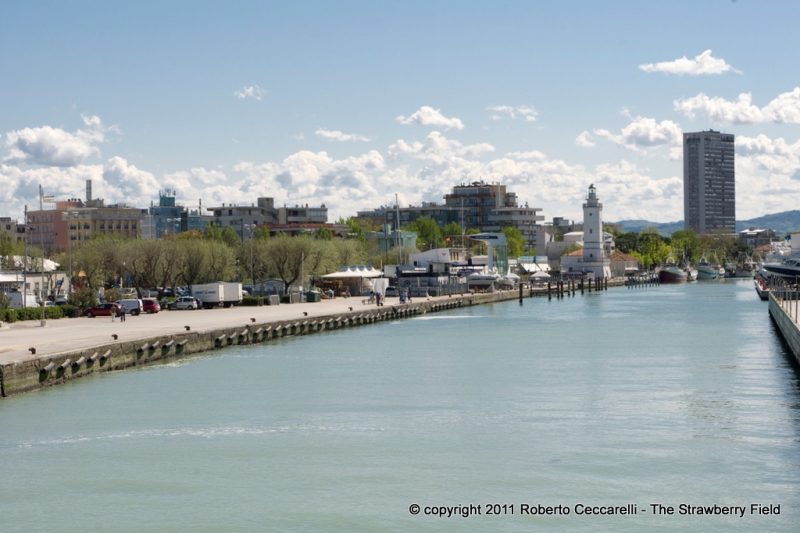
(18, 300)
(218, 293)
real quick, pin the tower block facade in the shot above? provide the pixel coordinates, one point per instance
(594, 259)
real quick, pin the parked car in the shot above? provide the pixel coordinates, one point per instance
(185, 302)
(150, 305)
(391, 291)
(132, 306)
(102, 310)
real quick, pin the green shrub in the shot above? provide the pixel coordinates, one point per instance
(8, 315)
(68, 311)
(285, 299)
(249, 300)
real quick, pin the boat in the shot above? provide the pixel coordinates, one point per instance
(788, 268)
(706, 270)
(691, 273)
(670, 272)
(745, 266)
(761, 288)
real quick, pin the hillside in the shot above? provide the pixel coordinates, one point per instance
(780, 222)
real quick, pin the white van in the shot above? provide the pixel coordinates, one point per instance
(132, 306)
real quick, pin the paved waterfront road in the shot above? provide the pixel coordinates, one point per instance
(82, 333)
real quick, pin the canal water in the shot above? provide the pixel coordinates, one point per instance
(672, 395)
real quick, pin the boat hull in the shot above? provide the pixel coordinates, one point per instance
(707, 273)
(672, 275)
(782, 270)
(761, 289)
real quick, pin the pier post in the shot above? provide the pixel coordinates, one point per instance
(581, 285)
(549, 296)
(520, 293)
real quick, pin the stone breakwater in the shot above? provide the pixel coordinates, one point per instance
(54, 369)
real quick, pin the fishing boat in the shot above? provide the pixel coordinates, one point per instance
(670, 272)
(705, 270)
(745, 266)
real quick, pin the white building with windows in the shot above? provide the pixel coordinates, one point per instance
(593, 259)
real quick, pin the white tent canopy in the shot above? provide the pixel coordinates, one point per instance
(352, 272)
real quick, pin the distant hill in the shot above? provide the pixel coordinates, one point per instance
(780, 222)
(665, 228)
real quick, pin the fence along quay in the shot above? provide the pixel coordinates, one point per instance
(45, 370)
(784, 308)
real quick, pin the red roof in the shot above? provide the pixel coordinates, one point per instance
(619, 256)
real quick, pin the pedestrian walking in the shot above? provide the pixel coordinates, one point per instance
(122, 313)
(113, 313)
(378, 299)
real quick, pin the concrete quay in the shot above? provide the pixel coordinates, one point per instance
(70, 348)
(785, 314)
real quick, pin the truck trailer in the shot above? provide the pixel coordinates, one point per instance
(218, 293)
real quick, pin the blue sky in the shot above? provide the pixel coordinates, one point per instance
(348, 103)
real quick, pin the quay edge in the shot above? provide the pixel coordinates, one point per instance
(49, 369)
(786, 325)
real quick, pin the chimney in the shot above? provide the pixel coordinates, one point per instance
(88, 190)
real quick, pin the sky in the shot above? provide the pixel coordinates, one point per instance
(349, 103)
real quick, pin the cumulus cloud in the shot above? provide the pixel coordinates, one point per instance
(428, 116)
(506, 111)
(585, 140)
(702, 64)
(130, 182)
(54, 146)
(767, 175)
(438, 148)
(254, 91)
(640, 135)
(533, 154)
(335, 135)
(783, 109)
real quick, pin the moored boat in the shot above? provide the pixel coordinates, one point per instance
(761, 288)
(706, 270)
(672, 273)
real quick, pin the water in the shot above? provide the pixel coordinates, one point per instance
(677, 394)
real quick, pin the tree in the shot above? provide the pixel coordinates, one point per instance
(627, 242)
(286, 256)
(687, 243)
(428, 232)
(324, 234)
(515, 241)
(8, 249)
(569, 249)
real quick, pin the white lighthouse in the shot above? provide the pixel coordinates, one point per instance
(594, 259)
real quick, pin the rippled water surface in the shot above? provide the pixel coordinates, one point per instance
(677, 394)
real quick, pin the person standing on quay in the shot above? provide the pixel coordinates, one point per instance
(122, 313)
(113, 313)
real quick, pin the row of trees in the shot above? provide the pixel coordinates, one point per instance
(650, 248)
(200, 257)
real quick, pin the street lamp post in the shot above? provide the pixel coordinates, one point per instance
(69, 251)
(175, 248)
(252, 228)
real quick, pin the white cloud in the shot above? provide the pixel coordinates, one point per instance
(640, 135)
(702, 64)
(55, 147)
(783, 109)
(584, 140)
(533, 154)
(438, 148)
(336, 135)
(208, 176)
(428, 116)
(505, 111)
(254, 91)
(133, 186)
(767, 175)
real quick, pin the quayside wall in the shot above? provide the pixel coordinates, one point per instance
(786, 324)
(57, 368)
(54, 369)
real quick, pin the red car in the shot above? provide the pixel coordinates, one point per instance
(150, 305)
(102, 310)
